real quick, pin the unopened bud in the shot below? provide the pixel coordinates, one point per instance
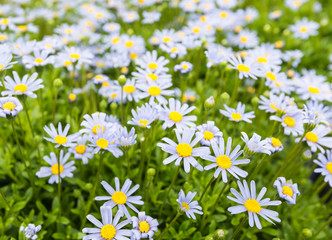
(267, 28)
(114, 105)
(209, 103)
(225, 97)
(122, 80)
(307, 233)
(255, 101)
(151, 172)
(220, 234)
(209, 237)
(103, 105)
(57, 83)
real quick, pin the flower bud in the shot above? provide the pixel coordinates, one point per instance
(130, 31)
(255, 101)
(57, 83)
(37, 138)
(88, 186)
(286, 32)
(209, 103)
(114, 106)
(306, 155)
(267, 28)
(266, 93)
(122, 80)
(151, 172)
(209, 237)
(225, 97)
(307, 233)
(220, 234)
(103, 105)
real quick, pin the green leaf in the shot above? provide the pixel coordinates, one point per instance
(41, 207)
(19, 206)
(59, 236)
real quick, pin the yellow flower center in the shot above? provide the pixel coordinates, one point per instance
(133, 55)
(223, 14)
(80, 149)
(276, 142)
(97, 128)
(3, 37)
(208, 135)
(143, 122)
(290, 122)
(102, 143)
(129, 89)
(143, 226)
(108, 232)
(153, 65)
(236, 116)
(243, 39)
(55, 169)
(21, 87)
(313, 90)
(60, 139)
(310, 136)
(185, 206)
(39, 60)
(153, 76)
(224, 161)
(262, 60)
(243, 68)
(184, 149)
(297, 3)
(184, 66)
(154, 91)
(115, 40)
(67, 63)
(271, 76)
(129, 44)
(287, 191)
(196, 30)
(329, 167)
(23, 28)
(119, 197)
(166, 39)
(303, 29)
(124, 70)
(114, 95)
(72, 97)
(9, 106)
(252, 206)
(74, 55)
(175, 116)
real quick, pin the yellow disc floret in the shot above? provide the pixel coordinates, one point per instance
(97, 128)
(80, 149)
(185, 206)
(276, 142)
(119, 197)
(252, 205)
(208, 135)
(153, 66)
(102, 143)
(55, 169)
(143, 122)
(8, 106)
(287, 191)
(143, 226)
(20, 87)
(310, 136)
(108, 232)
(236, 116)
(60, 139)
(184, 149)
(224, 161)
(243, 68)
(154, 91)
(129, 88)
(175, 116)
(290, 122)
(329, 167)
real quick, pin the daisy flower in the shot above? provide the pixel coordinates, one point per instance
(109, 228)
(237, 114)
(125, 139)
(9, 107)
(252, 204)
(144, 76)
(254, 144)
(316, 139)
(60, 137)
(40, 58)
(325, 166)
(187, 205)
(26, 86)
(185, 149)
(292, 122)
(143, 226)
(210, 132)
(66, 168)
(131, 92)
(5, 61)
(156, 91)
(274, 144)
(304, 28)
(151, 61)
(105, 141)
(94, 123)
(175, 114)
(286, 190)
(121, 197)
(246, 69)
(276, 103)
(184, 67)
(81, 150)
(30, 232)
(143, 116)
(226, 160)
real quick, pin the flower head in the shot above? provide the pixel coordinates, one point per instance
(187, 204)
(286, 190)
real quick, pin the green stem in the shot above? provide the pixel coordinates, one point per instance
(93, 191)
(328, 222)
(168, 227)
(169, 188)
(10, 209)
(238, 229)
(206, 188)
(257, 168)
(236, 89)
(28, 117)
(122, 106)
(220, 194)
(59, 192)
(54, 105)
(141, 165)
(128, 163)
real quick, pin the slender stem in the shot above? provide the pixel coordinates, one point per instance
(320, 188)
(327, 223)
(235, 90)
(128, 163)
(28, 117)
(169, 225)
(7, 203)
(206, 188)
(169, 188)
(93, 191)
(236, 232)
(220, 194)
(141, 165)
(54, 104)
(122, 106)
(257, 168)
(59, 192)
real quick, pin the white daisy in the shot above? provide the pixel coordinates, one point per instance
(210, 132)
(81, 150)
(292, 122)
(254, 144)
(143, 226)
(237, 114)
(286, 190)
(187, 205)
(325, 166)
(121, 197)
(252, 204)
(9, 107)
(246, 69)
(60, 137)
